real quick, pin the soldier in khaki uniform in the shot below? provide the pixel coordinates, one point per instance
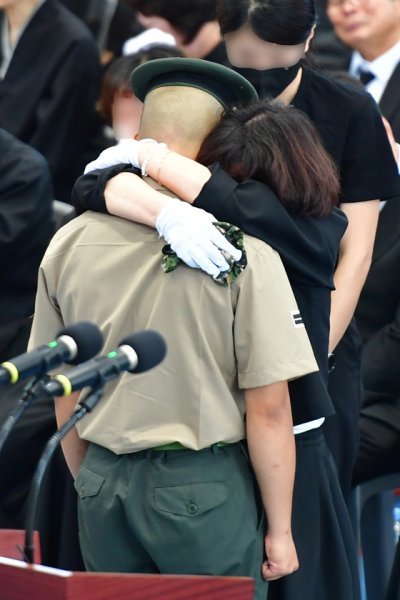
(162, 474)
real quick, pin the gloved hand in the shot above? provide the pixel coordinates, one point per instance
(126, 151)
(191, 234)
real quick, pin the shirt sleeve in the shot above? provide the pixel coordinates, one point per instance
(88, 191)
(271, 342)
(368, 169)
(47, 320)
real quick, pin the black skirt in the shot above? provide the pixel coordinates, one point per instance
(321, 529)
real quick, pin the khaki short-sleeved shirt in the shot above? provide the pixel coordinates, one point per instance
(220, 339)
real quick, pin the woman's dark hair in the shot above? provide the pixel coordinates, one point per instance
(186, 16)
(285, 22)
(117, 77)
(279, 146)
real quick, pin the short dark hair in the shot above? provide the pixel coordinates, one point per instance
(186, 16)
(279, 146)
(285, 22)
(117, 77)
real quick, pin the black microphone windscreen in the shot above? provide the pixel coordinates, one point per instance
(150, 348)
(88, 339)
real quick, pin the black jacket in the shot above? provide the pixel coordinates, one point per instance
(378, 312)
(48, 95)
(26, 225)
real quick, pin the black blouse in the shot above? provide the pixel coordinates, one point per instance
(351, 128)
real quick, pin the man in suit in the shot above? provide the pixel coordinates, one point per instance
(372, 30)
(26, 226)
(378, 318)
(49, 84)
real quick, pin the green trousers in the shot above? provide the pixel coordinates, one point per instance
(176, 512)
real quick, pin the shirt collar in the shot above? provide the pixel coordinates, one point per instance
(382, 67)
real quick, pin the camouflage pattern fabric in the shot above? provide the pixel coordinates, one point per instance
(234, 235)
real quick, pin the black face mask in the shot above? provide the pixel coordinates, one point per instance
(252, 75)
(272, 82)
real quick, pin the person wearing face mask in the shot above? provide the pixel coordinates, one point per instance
(271, 44)
(175, 443)
(261, 38)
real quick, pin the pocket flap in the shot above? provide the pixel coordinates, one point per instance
(88, 483)
(190, 500)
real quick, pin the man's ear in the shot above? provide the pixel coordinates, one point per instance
(310, 37)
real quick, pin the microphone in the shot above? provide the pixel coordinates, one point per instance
(74, 344)
(136, 353)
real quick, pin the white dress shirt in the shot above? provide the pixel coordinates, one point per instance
(382, 67)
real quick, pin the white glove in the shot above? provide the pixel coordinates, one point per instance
(126, 151)
(191, 234)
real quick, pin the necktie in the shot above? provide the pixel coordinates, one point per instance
(366, 77)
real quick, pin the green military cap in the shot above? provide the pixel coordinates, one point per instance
(227, 86)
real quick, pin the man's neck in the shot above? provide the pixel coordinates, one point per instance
(205, 41)
(189, 149)
(18, 15)
(373, 49)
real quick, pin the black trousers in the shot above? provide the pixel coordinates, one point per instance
(345, 388)
(379, 450)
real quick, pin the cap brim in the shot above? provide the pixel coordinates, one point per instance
(225, 84)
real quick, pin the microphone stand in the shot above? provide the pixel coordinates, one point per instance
(30, 392)
(85, 406)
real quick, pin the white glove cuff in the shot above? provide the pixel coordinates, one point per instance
(164, 215)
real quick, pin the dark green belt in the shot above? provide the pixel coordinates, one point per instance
(179, 446)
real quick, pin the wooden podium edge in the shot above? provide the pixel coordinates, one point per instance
(19, 580)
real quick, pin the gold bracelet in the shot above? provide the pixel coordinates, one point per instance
(145, 163)
(163, 158)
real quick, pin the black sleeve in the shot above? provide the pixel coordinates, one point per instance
(25, 196)
(381, 359)
(368, 169)
(88, 191)
(26, 223)
(308, 246)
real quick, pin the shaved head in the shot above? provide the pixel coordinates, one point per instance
(180, 116)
